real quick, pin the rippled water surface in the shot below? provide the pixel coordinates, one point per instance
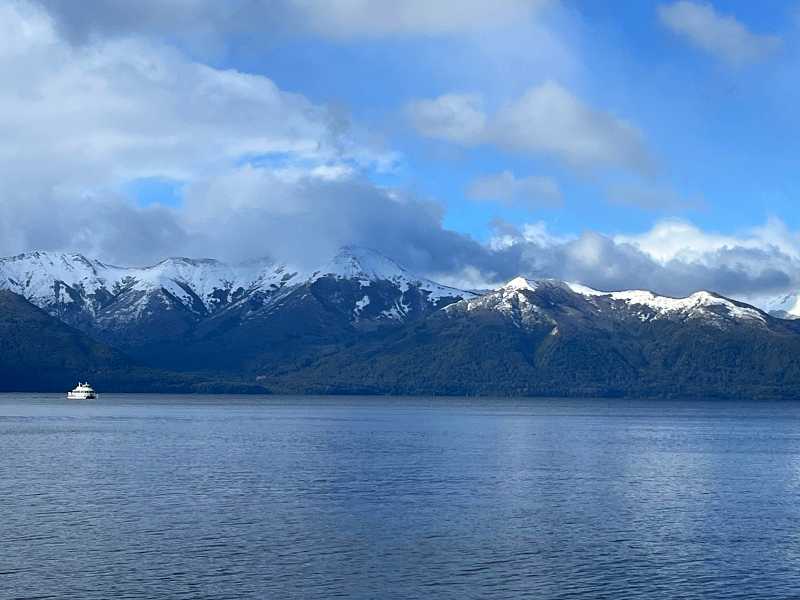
(231, 497)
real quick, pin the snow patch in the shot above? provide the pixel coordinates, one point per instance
(360, 305)
(697, 303)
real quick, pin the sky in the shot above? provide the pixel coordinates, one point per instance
(631, 144)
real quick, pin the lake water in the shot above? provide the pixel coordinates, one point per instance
(243, 497)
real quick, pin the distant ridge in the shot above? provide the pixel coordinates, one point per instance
(362, 323)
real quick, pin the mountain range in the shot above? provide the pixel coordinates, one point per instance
(361, 323)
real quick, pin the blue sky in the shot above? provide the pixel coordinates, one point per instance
(724, 134)
(621, 144)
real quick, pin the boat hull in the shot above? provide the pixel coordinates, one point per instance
(81, 396)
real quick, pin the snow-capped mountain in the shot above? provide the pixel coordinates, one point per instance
(533, 302)
(178, 293)
(386, 291)
(552, 338)
(361, 323)
(786, 306)
(63, 283)
(361, 286)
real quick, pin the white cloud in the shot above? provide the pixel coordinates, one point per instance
(129, 108)
(673, 257)
(720, 35)
(453, 117)
(546, 120)
(675, 239)
(79, 123)
(530, 192)
(549, 119)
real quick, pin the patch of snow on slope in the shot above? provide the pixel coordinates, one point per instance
(360, 305)
(695, 303)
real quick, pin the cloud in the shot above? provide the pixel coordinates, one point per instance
(254, 212)
(111, 228)
(455, 118)
(79, 123)
(268, 172)
(720, 35)
(130, 108)
(240, 214)
(301, 218)
(344, 18)
(675, 239)
(651, 196)
(530, 192)
(338, 19)
(547, 120)
(674, 257)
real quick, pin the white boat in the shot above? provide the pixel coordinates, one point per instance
(83, 391)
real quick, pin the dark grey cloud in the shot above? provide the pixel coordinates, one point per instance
(110, 228)
(253, 212)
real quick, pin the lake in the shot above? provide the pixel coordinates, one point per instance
(297, 497)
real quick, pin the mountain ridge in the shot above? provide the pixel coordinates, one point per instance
(362, 323)
(546, 339)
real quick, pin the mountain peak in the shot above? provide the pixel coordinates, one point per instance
(190, 262)
(49, 255)
(357, 262)
(521, 283)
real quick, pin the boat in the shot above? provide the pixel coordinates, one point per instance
(83, 391)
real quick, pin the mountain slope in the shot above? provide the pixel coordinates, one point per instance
(358, 295)
(192, 314)
(361, 323)
(183, 301)
(553, 338)
(114, 303)
(41, 353)
(38, 351)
